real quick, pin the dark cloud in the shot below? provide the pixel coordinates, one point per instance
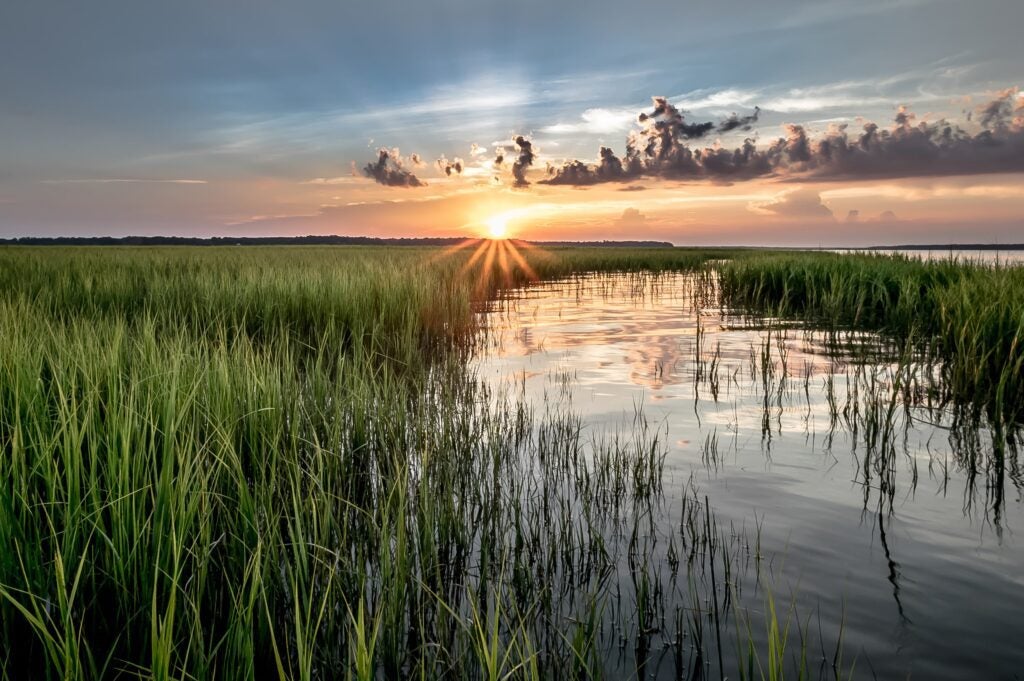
(659, 148)
(388, 170)
(743, 162)
(1003, 112)
(523, 161)
(608, 169)
(501, 152)
(736, 122)
(910, 149)
(448, 167)
(662, 148)
(666, 124)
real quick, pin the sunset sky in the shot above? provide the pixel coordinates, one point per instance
(388, 118)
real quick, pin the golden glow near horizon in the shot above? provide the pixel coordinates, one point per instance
(918, 210)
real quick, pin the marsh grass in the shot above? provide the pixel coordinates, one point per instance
(272, 463)
(249, 463)
(926, 342)
(965, 318)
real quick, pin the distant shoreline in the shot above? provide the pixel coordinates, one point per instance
(341, 240)
(944, 247)
(310, 240)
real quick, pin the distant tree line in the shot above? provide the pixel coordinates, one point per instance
(310, 240)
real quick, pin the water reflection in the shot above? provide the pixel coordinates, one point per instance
(883, 510)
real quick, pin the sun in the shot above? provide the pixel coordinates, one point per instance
(497, 226)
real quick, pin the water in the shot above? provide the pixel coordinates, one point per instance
(1009, 257)
(885, 525)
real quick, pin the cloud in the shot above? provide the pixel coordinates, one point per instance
(597, 121)
(578, 173)
(448, 167)
(387, 170)
(885, 216)
(794, 100)
(666, 145)
(736, 122)
(659, 148)
(1004, 112)
(332, 181)
(523, 161)
(663, 148)
(798, 204)
(666, 125)
(631, 218)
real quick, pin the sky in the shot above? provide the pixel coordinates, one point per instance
(776, 122)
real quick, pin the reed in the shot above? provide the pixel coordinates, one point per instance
(968, 318)
(271, 463)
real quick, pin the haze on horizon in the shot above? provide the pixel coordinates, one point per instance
(782, 122)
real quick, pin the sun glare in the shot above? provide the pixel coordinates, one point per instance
(497, 226)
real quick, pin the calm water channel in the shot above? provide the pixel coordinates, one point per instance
(884, 525)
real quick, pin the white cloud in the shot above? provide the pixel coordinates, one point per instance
(597, 121)
(930, 84)
(348, 179)
(708, 99)
(794, 100)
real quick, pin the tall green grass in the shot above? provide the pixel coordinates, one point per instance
(966, 318)
(249, 463)
(271, 463)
